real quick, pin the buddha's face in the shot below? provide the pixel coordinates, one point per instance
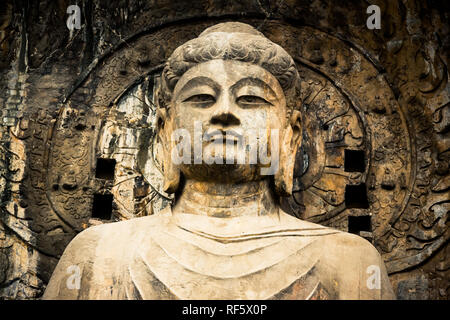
(229, 102)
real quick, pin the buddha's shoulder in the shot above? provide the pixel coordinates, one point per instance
(335, 242)
(344, 244)
(131, 226)
(113, 235)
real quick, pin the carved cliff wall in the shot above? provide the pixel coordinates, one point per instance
(77, 124)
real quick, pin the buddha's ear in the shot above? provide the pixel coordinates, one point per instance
(297, 133)
(171, 172)
(161, 117)
(163, 126)
(290, 142)
(172, 176)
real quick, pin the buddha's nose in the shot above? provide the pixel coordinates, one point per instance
(225, 113)
(226, 119)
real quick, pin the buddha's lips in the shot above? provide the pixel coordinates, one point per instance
(220, 136)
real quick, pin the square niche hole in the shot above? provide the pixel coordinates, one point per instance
(359, 223)
(105, 168)
(354, 161)
(356, 196)
(102, 206)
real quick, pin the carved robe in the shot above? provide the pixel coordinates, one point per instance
(177, 257)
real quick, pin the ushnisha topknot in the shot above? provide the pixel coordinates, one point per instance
(231, 27)
(231, 41)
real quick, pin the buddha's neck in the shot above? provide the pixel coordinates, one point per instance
(227, 200)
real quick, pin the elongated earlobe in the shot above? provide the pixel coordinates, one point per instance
(171, 177)
(171, 172)
(291, 141)
(284, 176)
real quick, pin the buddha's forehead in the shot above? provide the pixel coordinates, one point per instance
(226, 73)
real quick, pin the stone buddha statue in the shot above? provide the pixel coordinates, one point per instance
(225, 236)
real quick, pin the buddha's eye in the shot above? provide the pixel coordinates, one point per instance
(201, 100)
(252, 101)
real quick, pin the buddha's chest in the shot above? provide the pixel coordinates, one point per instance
(272, 270)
